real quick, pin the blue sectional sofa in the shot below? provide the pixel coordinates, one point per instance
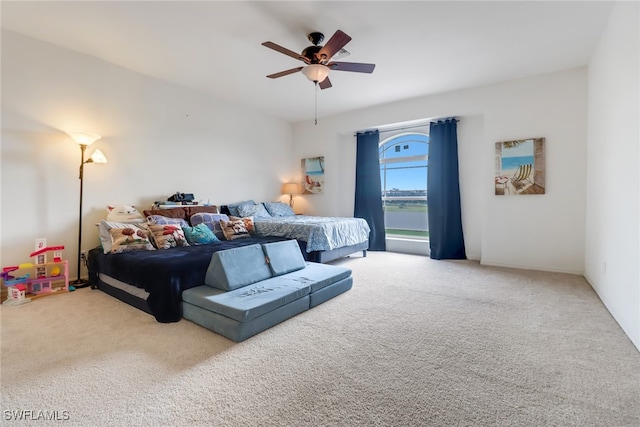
(252, 288)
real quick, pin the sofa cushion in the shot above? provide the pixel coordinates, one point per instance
(283, 257)
(234, 268)
(249, 302)
(330, 291)
(318, 276)
(240, 331)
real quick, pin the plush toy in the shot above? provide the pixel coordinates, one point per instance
(124, 213)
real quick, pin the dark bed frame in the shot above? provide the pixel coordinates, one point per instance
(328, 256)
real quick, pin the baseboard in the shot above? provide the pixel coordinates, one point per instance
(632, 334)
(491, 263)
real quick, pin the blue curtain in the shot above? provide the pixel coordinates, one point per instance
(446, 240)
(368, 199)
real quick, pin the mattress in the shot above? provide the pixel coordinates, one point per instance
(319, 233)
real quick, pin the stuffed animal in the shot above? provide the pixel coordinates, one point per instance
(125, 214)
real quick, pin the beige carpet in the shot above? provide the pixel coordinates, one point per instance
(416, 342)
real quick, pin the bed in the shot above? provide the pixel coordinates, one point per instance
(325, 238)
(153, 279)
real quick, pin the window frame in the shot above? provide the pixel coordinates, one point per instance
(384, 147)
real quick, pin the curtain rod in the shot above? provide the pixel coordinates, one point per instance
(393, 129)
(405, 127)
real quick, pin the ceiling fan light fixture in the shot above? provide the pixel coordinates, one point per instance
(316, 72)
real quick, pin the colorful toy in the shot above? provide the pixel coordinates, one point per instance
(17, 295)
(49, 277)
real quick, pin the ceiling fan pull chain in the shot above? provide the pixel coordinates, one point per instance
(316, 99)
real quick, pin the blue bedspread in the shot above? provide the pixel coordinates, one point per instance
(320, 233)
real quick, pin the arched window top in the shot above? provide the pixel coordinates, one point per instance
(406, 145)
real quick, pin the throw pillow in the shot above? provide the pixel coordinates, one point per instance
(234, 229)
(105, 227)
(199, 235)
(164, 220)
(278, 209)
(129, 239)
(248, 223)
(168, 236)
(256, 211)
(211, 220)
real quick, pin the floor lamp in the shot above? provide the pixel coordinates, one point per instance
(84, 139)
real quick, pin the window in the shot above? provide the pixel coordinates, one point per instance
(403, 175)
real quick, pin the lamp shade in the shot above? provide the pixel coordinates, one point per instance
(84, 138)
(316, 72)
(98, 157)
(291, 188)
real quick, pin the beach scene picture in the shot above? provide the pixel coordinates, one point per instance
(313, 175)
(519, 166)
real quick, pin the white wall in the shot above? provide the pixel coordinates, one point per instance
(538, 232)
(159, 138)
(612, 223)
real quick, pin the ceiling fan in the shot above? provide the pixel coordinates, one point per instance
(318, 59)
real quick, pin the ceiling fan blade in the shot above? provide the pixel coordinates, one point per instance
(325, 84)
(284, 73)
(335, 43)
(284, 50)
(352, 66)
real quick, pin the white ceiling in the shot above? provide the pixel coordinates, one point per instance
(419, 47)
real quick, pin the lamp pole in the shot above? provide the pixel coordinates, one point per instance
(83, 139)
(79, 283)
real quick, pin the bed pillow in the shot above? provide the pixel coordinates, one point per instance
(105, 236)
(278, 209)
(211, 220)
(183, 212)
(177, 212)
(199, 235)
(164, 220)
(168, 236)
(235, 229)
(233, 208)
(256, 211)
(129, 239)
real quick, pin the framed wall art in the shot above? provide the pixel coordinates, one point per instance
(313, 175)
(519, 167)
